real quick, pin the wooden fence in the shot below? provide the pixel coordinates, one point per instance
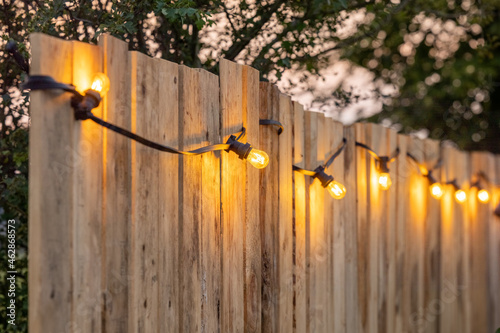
(123, 238)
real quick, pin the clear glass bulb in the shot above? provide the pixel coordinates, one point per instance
(258, 158)
(384, 180)
(436, 190)
(460, 196)
(336, 190)
(100, 83)
(483, 196)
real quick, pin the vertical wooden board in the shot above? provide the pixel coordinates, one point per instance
(363, 228)
(51, 190)
(168, 175)
(413, 285)
(349, 217)
(432, 254)
(379, 220)
(269, 106)
(252, 240)
(389, 238)
(285, 241)
(211, 279)
(318, 250)
(300, 292)
(87, 60)
(481, 220)
(495, 248)
(116, 186)
(404, 167)
(337, 223)
(325, 150)
(145, 212)
(376, 309)
(449, 210)
(232, 197)
(462, 242)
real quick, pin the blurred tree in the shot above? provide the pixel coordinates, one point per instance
(436, 63)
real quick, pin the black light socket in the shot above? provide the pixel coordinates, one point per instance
(322, 176)
(241, 149)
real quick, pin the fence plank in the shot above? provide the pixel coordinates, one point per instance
(450, 242)
(211, 268)
(315, 152)
(285, 241)
(413, 285)
(252, 251)
(269, 106)
(432, 255)
(337, 222)
(480, 223)
(233, 175)
(87, 60)
(51, 190)
(199, 218)
(495, 247)
(403, 172)
(168, 226)
(300, 267)
(145, 214)
(363, 229)
(353, 317)
(116, 186)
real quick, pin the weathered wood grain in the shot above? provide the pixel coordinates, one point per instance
(432, 254)
(116, 186)
(285, 226)
(269, 218)
(300, 267)
(145, 213)
(481, 222)
(349, 214)
(168, 177)
(318, 249)
(51, 216)
(233, 172)
(87, 258)
(252, 247)
(413, 283)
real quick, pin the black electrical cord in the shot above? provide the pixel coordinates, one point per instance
(376, 156)
(272, 122)
(421, 167)
(83, 105)
(325, 165)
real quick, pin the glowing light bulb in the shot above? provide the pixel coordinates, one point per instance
(384, 181)
(460, 196)
(336, 190)
(483, 196)
(100, 83)
(258, 158)
(436, 191)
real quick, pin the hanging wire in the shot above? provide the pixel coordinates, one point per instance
(323, 166)
(428, 173)
(273, 123)
(390, 159)
(84, 104)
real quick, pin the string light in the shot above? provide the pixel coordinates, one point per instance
(83, 105)
(460, 195)
(382, 163)
(435, 187)
(482, 194)
(334, 188)
(100, 83)
(436, 190)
